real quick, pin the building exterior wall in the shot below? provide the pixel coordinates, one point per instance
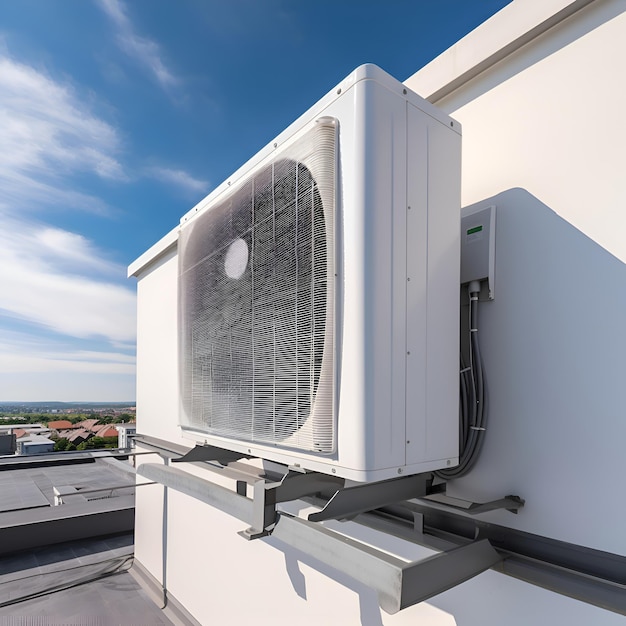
(534, 138)
(542, 141)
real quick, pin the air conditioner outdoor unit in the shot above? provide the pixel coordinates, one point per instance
(319, 291)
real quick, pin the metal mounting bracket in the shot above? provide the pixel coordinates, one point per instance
(211, 453)
(293, 485)
(510, 503)
(349, 502)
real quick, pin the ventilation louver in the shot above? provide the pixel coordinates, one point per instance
(256, 303)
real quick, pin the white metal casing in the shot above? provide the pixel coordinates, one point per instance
(396, 289)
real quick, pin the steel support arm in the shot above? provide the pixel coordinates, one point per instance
(398, 583)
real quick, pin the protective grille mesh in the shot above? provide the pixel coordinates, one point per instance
(256, 304)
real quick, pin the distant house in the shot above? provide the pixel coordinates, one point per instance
(59, 424)
(107, 430)
(125, 435)
(90, 425)
(34, 444)
(78, 436)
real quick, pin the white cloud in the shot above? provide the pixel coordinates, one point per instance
(141, 49)
(59, 280)
(40, 368)
(179, 178)
(41, 363)
(23, 357)
(50, 276)
(47, 134)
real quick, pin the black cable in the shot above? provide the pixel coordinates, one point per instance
(122, 561)
(472, 399)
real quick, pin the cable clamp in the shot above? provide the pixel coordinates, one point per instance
(467, 369)
(473, 330)
(473, 298)
(477, 428)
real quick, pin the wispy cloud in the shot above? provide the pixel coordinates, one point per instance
(58, 280)
(144, 51)
(48, 134)
(180, 178)
(38, 361)
(51, 276)
(48, 368)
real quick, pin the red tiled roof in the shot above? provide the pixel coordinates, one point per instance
(90, 424)
(59, 424)
(107, 430)
(80, 435)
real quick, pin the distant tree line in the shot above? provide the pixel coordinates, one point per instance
(74, 418)
(95, 443)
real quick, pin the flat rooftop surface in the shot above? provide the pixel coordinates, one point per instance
(27, 487)
(82, 582)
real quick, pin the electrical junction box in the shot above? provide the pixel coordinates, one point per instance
(478, 247)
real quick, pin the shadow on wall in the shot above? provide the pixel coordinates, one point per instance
(554, 347)
(370, 612)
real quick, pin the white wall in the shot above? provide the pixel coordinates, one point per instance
(544, 142)
(548, 119)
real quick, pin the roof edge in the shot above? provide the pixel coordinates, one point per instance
(501, 35)
(154, 252)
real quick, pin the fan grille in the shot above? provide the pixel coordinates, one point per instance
(256, 304)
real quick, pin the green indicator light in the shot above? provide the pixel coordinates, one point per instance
(476, 229)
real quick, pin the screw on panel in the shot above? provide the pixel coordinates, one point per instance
(448, 462)
(339, 90)
(408, 352)
(399, 470)
(408, 280)
(275, 145)
(333, 470)
(404, 91)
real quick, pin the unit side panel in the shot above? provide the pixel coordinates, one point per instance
(416, 285)
(379, 195)
(442, 334)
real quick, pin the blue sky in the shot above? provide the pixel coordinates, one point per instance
(117, 117)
